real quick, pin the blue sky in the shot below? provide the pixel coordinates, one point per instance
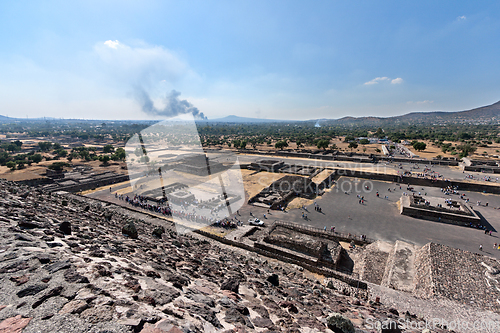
(267, 59)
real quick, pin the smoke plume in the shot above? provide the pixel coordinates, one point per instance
(174, 106)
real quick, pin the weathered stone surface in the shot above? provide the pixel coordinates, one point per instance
(14, 324)
(263, 322)
(340, 324)
(96, 315)
(72, 276)
(19, 280)
(31, 290)
(75, 306)
(158, 231)
(53, 292)
(163, 296)
(274, 280)
(26, 224)
(57, 266)
(115, 284)
(231, 284)
(65, 228)
(130, 230)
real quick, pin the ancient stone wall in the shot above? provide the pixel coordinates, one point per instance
(423, 283)
(272, 254)
(464, 276)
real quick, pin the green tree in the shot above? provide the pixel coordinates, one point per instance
(419, 146)
(84, 154)
(281, 144)
(58, 166)
(108, 149)
(323, 143)
(45, 146)
(62, 152)
(11, 165)
(120, 154)
(352, 145)
(379, 133)
(466, 149)
(364, 141)
(104, 159)
(12, 147)
(37, 158)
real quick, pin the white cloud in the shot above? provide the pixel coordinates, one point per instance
(112, 44)
(377, 80)
(382, 79)
(420, 102)
(143, 64)
(461, 18)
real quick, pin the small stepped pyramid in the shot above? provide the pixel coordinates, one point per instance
(400, 267)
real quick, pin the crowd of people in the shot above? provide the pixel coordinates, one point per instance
(485, 178)
(142, 202)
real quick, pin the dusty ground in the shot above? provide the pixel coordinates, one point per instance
(298, 203)
(432, 151)
(321, 176)
(256, 182)
(36, 170)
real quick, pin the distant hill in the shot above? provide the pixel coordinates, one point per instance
(4, 119)
(484, 114)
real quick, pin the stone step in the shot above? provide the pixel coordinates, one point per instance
(374, 261)
(400, 267)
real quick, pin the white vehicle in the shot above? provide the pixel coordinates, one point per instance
(256, 221)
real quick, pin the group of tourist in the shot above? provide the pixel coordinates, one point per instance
(450, 190)
(428, 173)
(141, 202)
(483, 178)
(317, 208)
(227, 223)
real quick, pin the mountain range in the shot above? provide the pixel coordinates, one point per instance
(484, 114)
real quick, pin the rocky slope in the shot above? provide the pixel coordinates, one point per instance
(67, 266)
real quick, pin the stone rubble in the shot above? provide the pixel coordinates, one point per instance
(66, 265)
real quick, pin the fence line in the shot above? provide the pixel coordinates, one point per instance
(322, 233)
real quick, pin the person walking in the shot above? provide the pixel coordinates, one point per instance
(480, 247)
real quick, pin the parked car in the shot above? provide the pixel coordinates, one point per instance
(256, 221)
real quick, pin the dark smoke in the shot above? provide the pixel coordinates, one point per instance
(174, 106)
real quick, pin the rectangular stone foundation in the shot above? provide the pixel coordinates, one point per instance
(442, 216)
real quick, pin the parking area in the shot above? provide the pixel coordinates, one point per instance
(379, 217)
